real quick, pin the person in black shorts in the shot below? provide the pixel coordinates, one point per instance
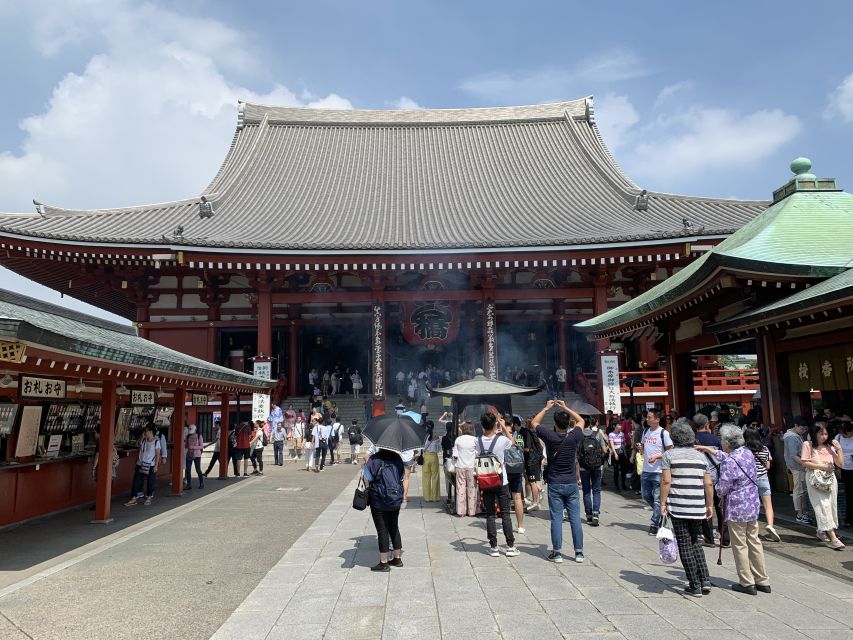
(532, 464)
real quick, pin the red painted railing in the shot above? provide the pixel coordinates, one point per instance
(703, 380)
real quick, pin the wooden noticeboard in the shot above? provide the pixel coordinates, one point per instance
(28, 433)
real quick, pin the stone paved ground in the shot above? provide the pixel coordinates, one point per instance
(450, 588)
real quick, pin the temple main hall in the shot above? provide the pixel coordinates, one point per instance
(381, 241)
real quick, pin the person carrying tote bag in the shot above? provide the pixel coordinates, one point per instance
(820, 458)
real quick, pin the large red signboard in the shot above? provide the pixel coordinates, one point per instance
(434, 322)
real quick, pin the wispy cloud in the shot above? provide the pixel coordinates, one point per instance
(697, 139)
(670, 90)
(551, 83)
(840, 104)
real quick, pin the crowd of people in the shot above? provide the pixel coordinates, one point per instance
(688, 470)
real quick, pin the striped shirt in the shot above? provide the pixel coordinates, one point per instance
(686, 497)
(761, 458)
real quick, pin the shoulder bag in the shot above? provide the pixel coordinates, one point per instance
(359, 500)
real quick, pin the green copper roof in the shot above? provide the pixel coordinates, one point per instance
(54, 327)
(807, 233)
(832, 290)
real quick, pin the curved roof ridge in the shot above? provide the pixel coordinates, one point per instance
(248, 155)
(254, 113)
(681, 196)
(50, 211)
(601, 160)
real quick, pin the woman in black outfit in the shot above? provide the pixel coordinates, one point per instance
(384, 473)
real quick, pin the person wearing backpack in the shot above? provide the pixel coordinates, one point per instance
(355, 441)
(383, 472)
(562, 474)
(591, 457)
(493, 480)
(514, 464)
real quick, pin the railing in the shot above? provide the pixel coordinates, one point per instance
(703, 380)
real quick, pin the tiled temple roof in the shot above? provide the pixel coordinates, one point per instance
(312, 180)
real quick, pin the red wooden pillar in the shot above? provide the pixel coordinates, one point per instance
(599, 306)
(769, 382)
(293, 360)
(177, 437)
(378, 355)
(562, 353)
(142, 317)
(680, 395)
(264, 321)
(103, 493)
(223, 436)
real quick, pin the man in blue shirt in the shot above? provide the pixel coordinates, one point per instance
(562, 474)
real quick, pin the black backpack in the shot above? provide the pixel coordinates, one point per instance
(590, 455)
(386, 488)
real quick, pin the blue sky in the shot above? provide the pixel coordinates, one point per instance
(112, 102)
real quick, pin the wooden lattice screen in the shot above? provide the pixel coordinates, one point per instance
(12, 351)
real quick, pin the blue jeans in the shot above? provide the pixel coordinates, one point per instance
(591, 483)
(564, 497)
(650, 484)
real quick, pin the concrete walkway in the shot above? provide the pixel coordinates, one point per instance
(451, 589)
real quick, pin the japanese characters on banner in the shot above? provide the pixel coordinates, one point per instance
(139, 396)
(430, 322)
(610, 384)
(42, 387)
(260, 406)
(263, 370)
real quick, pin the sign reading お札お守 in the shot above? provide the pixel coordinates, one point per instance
(610, 384)
(42, 387)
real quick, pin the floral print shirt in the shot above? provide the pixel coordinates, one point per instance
(737, 485)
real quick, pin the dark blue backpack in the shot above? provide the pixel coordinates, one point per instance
(386, 488)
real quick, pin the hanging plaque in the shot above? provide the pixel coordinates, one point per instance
(610, 384)
(42, 387)
(430, 322)
(141, 397)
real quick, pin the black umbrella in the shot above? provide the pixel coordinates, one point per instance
(395, 433)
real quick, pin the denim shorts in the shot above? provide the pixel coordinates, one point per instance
(763, 486)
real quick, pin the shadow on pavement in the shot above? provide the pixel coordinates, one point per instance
(42, 539)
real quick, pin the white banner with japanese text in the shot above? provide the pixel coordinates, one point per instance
(610, 384)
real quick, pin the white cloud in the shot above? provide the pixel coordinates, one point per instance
(670, 90)
(615, 116)
(404, 102)
(841, 101)
(553, 83)
(702, 138)
(148, 119)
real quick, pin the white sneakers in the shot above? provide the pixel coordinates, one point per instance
(519, 530)
(510, 552)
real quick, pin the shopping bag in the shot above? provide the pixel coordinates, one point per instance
(667, 546)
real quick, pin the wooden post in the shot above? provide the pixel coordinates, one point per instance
(562, 355)
(680, 393)
(599, 306)
(293, 360)
(264, 321)
(104, 490)
(223, 436)
(176, 435)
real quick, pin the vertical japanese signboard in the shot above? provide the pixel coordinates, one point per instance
(260, 406)
(263, 370)
(610, 384)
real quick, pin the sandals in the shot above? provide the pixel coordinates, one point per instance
(147, 502)
(132, 502)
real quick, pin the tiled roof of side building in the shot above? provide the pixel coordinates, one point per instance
(332, 180)
(807, 234)
(55, 327)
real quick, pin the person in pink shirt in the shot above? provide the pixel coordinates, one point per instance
(194, 445)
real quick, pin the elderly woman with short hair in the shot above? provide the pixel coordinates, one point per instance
(687, 495)
(738, 487)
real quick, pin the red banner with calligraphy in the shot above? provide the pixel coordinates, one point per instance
(434, 322)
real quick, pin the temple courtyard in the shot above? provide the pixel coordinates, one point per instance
(285, 556)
